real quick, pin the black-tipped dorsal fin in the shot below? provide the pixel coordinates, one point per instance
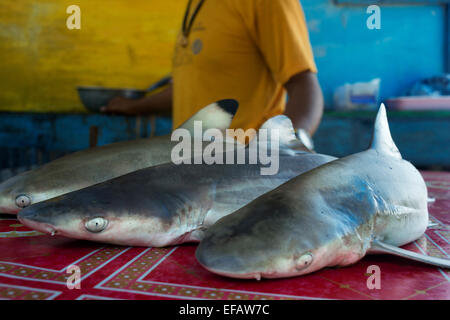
(382, 140)
(217, 115)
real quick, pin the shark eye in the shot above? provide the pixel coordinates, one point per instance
(23, 201)
(304, 261)
(96, 225)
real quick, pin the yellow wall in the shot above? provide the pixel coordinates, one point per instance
(122, 43)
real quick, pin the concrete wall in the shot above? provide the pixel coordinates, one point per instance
(121, 43)
(129, 44)
(409, 46)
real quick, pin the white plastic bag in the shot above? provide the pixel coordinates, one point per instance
(357, 96)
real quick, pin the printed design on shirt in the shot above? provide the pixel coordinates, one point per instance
(181, 56)
(197, 46)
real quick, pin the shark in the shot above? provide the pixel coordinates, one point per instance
(170, 203)
(91, 166)
(371, 202)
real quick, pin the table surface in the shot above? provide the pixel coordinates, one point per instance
(34, 266)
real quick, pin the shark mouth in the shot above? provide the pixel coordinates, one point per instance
(39, 226)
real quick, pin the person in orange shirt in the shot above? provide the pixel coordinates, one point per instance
(253, 51)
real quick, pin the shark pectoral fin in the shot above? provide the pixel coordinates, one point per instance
(217, 115)
(396, 251)
(432, 224)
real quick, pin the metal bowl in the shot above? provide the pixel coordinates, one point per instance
(93, 98)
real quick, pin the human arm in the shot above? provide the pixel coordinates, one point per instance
(305, 104)
(280, 32)
(160, 102)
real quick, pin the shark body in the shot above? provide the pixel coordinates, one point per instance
(333, 215)
(88, 167)
(167, 204)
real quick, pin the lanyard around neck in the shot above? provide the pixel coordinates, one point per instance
(187, 26)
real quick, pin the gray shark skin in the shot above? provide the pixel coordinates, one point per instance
(168, 204)
(88, 167)
(369, 202)
(162, 205)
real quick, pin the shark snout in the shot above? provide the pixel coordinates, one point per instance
(228, 259)
(212, 258)
(33, 218)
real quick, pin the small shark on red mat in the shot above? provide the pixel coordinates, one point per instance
(95, 165)
(368, 202)
(168, 204)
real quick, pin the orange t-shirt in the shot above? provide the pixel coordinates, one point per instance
(240, 49)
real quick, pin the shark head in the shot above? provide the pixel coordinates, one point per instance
(99, 221)
(268, 240)
(43, 183)
(10, 190)
(114, 212)
(86, 220)
(23, 190)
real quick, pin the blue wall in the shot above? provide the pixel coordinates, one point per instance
(28, 139)
(409, 46)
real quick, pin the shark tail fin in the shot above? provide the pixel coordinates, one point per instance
(217, 115)
(396, 251)
(382, 139)
(286, 133)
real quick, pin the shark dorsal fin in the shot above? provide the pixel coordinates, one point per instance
(283, 124)
(382, 140)
(217, 115)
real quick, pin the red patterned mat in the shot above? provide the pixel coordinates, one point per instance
(33, 266)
